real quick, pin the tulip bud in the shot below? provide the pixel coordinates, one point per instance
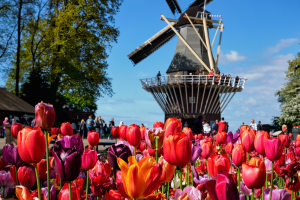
(207, 149)
(284, 140)
(44, 115)
(188, 132)
(248, 140)
(115, 132)
(172, 125)
(221, 137)
(55, 131)
(217, 163)
(15, 128)
(122, 132)
(93, 138)
(238, 155)
(26, 176)
(259, 141)
(284, 128)
(89, 159)
(228, 147)
(254, 173)
(158, 124)
(133, 135)
(274, 147)
(66, 129)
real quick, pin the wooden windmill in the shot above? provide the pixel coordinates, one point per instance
(182, 93)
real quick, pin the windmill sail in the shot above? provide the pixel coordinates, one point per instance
(152, 44)
(174, 6)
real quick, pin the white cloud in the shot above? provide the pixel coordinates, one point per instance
(283, 44)
(233, 56)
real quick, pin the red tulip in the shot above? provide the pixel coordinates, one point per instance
(152, 152)
(274, 149)
(102, 168)
(26, 176)
(44, 115)
(93, 138)
(133, 135)
(248, 140)
(66, 129)
(100, 185)
(172, 125)
(15, 128)
(42, 168)
(254, 173)
(31, 144)
(188, 132)
(89, 159)
(244, 128)
(229, 147)
(122, 131)
(113, 195)
(284, 128)
(200, 136)
(158, 124)
(64, 193)
(55, 131)
(217, 163)
(115, 132)
(221, 137)
(177, 148)
(281, 161)
(290, 135)
(143, 131)
(238, 155)
(207, 149)
(259, 141)
(284, 140)
(298, 137)
(167, 171)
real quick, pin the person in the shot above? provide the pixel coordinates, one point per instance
(197, 74)
(5, 122)
(121, 123)
(222, 79)
(111, 124)
(211, 73)
(229, 79)
(215, 127)
(259, 126)
(253, 125)
(100, 126)
(237, 81)
(222, 125)
(206, 128)
(13, 121)
(104, 128)
(90, 123)
(97, 125)
(74, 127)
(217, 78)
(185, 124)
(82, 129)
(158, 77)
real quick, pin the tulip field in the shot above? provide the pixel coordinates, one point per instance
(155, 163)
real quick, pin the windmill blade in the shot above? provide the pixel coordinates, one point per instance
(200, 3)
(173, 4)
(152, 44)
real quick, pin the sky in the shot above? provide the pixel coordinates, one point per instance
(258, 39)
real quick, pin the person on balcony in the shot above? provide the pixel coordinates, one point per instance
(158, 78)
(217, 78)
(237, 81)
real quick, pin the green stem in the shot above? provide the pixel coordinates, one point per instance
(168, 189)
(230, 164)
(145, 145)
(156, 148)
(180, 177)
(47, 162)
(192, 184)
(135, 152)
(207, 170)
(248, 156)
(252, 195)
(187, 175)
(163, 188)
(97, 197)
(75, 183)
(239, 183)
(70, 191)
(271, 181)
(87, 184)
(292, 195)
(38, 181)
(16, 171)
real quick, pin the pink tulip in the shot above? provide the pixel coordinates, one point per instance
(89, 159)
(274, 149)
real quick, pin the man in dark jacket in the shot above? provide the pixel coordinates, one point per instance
(111, 124)
(215, 127)
(259, 126)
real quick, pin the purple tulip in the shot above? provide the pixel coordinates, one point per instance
(52, 191)
(118, 151)
(196, 152)
(193, 193)
(278, 194)
(223, 188)
(139, 157)
(11, 155)
(127, 144)
(229, 137)
(199, 179)
(246, 191)
(242, 197)
(67, 156)
(7, 191)
(6, 180)
(236, 136)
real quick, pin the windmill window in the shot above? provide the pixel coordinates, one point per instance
(192, 100)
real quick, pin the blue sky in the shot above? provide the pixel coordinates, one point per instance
(258, 40)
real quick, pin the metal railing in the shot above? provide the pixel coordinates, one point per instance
(195, 79)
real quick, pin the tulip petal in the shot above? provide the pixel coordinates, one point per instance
(154, 180)
(211, 189)
(23, 193)
(135, 184)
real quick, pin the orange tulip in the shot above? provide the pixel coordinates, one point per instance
(217, 163)
(248, 140)
(44, 115)
(158, 124)
(167, 171)
(238, 155)
(207, 149)
(172, 125)
(244, 128)
(31, 144)
(140, 179)
(221, 137)
(259, 141)
(188, 132)
(284, 128)
(185, 196)
(254, 173)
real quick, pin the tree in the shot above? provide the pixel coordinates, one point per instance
(70, 44)
(289, 95)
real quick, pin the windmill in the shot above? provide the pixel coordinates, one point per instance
(182, 93)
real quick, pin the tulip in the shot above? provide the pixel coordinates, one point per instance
(133, 135)
(217, 163)
(259, 141)
(176, 182)
(248, 140)
(158, 196)
(122, 131)
(6, 180)
(177, 149)
(277, 194)
(172, 125)
(229, 137)
(55, 131)
(150, 135)
(254, 173)
(115, 132)
(11, 155)
(64, 193)
(207, 149)
(284, 128)
(143, 131)
(200, 136)
(236, 136)
(139, 179)
(229, 147)
(223, 188)
(113, 195)
(297, 151)
(42, 168)
(67, 158)
(93, 138)
(158, 124)
(31, 144)
(221, 137)
(101, 184)
(188, 132)
(244, 128)
(274, 149)
(196, 153)
(167, 171)
(118, 151)
(102, 168)
(191, 192)
(15, 128)
(44, 115)
(284, 140)
(27, 176)
(66, 129)
(238, 155)
(248, 192)
(89, 159)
